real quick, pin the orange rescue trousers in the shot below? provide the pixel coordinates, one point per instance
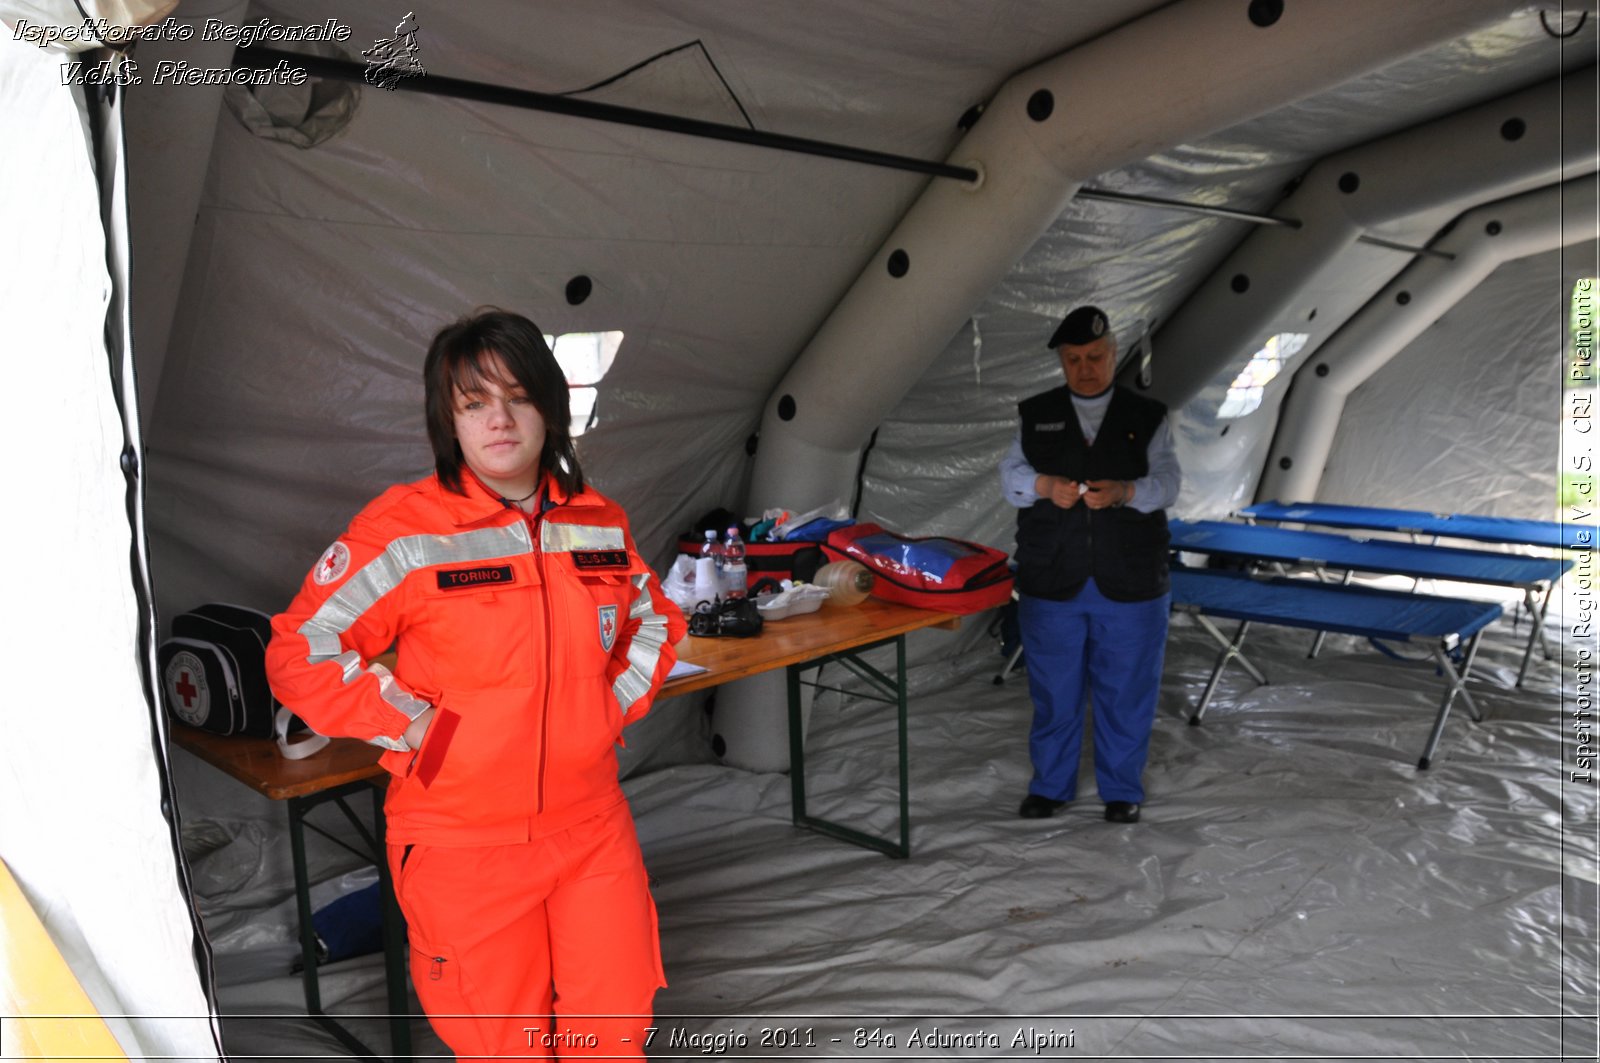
(544, 948)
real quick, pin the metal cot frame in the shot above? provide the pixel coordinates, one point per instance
(1445, 625)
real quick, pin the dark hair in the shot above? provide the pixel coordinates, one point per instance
(455, 363)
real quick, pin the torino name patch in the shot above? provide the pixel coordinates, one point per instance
(459, 579)
(600, 558)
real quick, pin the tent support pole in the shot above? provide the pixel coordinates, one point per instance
(339, 70)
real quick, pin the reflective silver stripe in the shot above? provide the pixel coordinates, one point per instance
(644, 652)
(380, 576)
(390, 690)
(564, 538)
(386, 571)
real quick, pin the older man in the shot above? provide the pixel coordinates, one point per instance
(1091, 473)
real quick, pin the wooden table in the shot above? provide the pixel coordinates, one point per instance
(798, 644)
(801, 644)
(257, 763)
(799, 639)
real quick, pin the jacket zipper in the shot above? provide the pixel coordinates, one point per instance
(533, 520)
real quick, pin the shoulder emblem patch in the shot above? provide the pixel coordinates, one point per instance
(333, 563)
(608, 627)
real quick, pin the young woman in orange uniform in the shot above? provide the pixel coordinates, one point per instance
(528, 633)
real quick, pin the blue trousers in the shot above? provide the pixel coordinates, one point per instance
(1112, 653)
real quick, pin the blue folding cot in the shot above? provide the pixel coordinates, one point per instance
(1563, 535)
(1445, 625)
(1534, 576)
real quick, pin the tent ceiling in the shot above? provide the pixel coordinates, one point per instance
(719, 261)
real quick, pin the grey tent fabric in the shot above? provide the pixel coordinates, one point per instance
(282, 298)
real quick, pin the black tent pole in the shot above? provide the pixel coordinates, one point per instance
(260, 58)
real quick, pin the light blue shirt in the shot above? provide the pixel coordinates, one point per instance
(1157, 489)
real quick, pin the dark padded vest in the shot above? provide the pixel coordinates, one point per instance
(1058, 550)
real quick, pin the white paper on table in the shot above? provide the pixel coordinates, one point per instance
(683, 668)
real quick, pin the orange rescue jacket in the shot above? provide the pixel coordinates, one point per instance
(536, 637)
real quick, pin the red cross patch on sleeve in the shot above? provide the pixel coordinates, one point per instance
(332, 564)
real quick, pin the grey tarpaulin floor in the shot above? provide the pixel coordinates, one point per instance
(1297, 888)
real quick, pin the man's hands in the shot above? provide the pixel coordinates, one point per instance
(1058, 489)
(1096, 494)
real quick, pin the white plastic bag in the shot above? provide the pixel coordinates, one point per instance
(679, 583)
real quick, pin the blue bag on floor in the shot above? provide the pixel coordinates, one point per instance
(349, 926)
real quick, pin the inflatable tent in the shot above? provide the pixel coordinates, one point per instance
(833, 249)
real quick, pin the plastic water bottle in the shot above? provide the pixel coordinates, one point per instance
(735, 576)
(710, 561)
(708, 569)
(712, 548)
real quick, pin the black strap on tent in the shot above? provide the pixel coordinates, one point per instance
(641, 64)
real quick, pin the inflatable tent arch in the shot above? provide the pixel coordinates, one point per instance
(275, 254)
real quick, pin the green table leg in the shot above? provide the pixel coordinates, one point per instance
(298, 807)
(890, 691)
(905, 747)
(797, 750)
(393, 926)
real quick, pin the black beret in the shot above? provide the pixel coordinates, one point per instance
(1084, 325)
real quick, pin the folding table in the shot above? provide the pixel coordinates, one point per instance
(803, 644)
(347, 768)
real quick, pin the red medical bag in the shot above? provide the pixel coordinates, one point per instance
(930, 572)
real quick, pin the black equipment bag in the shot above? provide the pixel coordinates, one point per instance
(214, 670)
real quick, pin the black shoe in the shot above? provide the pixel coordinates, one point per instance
(1036, 807)
(1122, 811)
